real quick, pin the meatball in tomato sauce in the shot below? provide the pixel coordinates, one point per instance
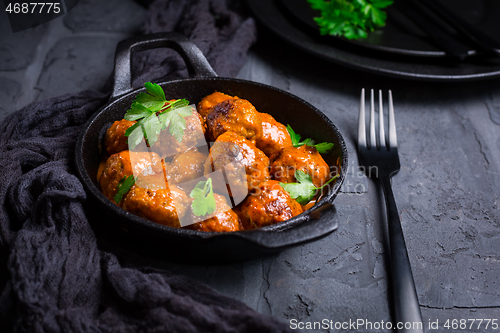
(234, 115)
(168, 146)
(270, 204)
(185, 166)
(235, 155)
(208, 102)
(304, 158)
(115, 140)
(146, 165)
(163, 206)
(274, 136)
(224, 220)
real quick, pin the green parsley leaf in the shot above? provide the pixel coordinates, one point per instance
(309, 142)
(149, 101)
(304, 190)
(322, 147)
(382, 3)
(204, 200)
(178, 103)
(175, 120)
(145, 108)
(155, 90)
(123, 187)
(152, 128)
(294, 136)
(137, 111)
(148, 127)
(135, 135)
(351, 19)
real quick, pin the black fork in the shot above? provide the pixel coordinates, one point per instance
(381, 161)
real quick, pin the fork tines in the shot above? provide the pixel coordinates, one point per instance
(382, 141)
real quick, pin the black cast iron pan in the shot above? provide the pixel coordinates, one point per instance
(210, 247)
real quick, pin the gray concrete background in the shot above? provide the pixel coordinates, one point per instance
(447, 190)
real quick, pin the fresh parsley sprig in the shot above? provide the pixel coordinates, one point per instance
(175, 118)
(124, 186)
(204, 200)
(351, 19)
(322, 147)
(304, 190)
(154, 114)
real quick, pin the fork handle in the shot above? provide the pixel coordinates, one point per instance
(404, 294)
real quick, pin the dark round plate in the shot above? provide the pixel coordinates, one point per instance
(401, 35)
(277, 18)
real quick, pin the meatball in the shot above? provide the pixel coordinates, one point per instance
(269, 205)
(234, 115)
(115, 139)
(163, 206)
(236, 155)
(224, 220)
(305, 158)
(125, 163)
(194, 136)
(185, 166)
(208, 102)
(274, 136)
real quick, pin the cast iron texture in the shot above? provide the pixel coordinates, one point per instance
(197, 246)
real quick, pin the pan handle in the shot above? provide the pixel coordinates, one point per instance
(196, 62)
(322, 221)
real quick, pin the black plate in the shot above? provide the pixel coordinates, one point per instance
(198, 246)
(278, 19)
(401, 35)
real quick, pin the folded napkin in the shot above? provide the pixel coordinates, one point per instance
(53, 275)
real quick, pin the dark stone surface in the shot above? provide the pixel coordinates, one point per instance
(17, 50)
(9, 93)
(337, 277)
(106, 16)
(493, 105)
(447, 190)
(77, 63)
(445, 197)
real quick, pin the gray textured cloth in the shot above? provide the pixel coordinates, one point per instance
(54, 275)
